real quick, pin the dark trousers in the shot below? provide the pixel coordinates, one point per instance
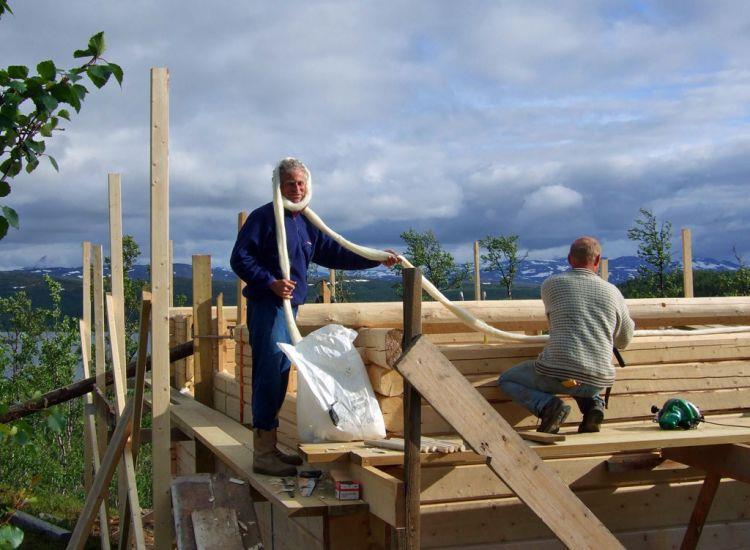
(265, 321)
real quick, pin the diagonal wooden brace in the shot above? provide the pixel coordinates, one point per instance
(536, 484)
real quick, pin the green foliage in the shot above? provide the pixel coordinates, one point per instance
(657, 276)
(502, 256)
(31, 106)
(425, 252)
(10, 537)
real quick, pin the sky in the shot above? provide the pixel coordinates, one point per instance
(548, 120)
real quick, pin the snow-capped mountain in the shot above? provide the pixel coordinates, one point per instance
(531, 271)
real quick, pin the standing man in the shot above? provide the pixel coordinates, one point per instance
(587, 316)
(255, 260)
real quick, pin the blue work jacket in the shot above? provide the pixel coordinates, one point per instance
(255, 257)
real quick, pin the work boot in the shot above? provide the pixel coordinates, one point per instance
(265, 459)
(592, 421)
(553, 414)
(286, 458)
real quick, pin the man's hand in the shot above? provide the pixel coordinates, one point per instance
(392, 260)
(283, 288)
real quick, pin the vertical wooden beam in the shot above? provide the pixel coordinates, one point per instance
(89, 424)
(332, 290)
(88, 455)
(130, 508)
(203, 376)
(221, 343)
(700, 511)
(477, 281)
(116, 261)
(325, 291)
(604, 269)
(98, 491)
(241, 302)
(159, 179)
(412, 278)
(687, 263)
(100, 348)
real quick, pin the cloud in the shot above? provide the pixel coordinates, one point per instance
(540, 119)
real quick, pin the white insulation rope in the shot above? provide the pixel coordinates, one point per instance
(380, 255)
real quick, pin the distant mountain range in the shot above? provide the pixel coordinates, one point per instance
(531, 271)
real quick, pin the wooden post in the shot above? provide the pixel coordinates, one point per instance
(221, 343)
(325, 291)
(700, 511)
(477, 281)
(99, 349)
(130, 508)
(332, 290)
(89, 424)
(96, 495)
(687, 263)
(203, 376)
(412, 411)
(160, 315)
(604, 269)
(116, 261)
(241, 302)
(88, 455)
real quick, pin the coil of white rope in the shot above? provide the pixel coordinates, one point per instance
(280, 203)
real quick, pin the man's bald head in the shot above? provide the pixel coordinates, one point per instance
(585, 252)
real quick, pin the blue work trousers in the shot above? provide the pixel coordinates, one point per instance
(265, 321)
(534, 391)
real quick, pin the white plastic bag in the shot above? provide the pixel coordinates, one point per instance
(335, 401)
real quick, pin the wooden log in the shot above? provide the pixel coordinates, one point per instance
(116, 260)
(88, 451)
(523, 315)
(159, 179)
(99, 349)
(496, 521)
(386, 382)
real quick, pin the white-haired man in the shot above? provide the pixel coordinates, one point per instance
(587, 317)
(255, 259)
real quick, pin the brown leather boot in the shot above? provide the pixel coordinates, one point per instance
(265, 460)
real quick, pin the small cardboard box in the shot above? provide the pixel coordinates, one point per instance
(345, 487)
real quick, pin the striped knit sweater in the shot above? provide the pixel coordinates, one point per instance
(587, 315)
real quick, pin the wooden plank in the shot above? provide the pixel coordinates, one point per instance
(116, 259)
(140, 370)
(89, 424)
(88, 451)
(159, 178)
(206, 491)
(412, 281)
(700, 511)
(508, 456)
(203, 389)
(231, 442)
(687, 263)
(477, 281)
(171, 272)
(241, 301)
(383, 493)
(99, 348)
(130, 508)
(604, 266)
(95, 496)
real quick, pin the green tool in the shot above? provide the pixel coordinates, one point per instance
(677, 413)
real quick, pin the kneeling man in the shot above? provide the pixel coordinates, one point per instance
(587, 317)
